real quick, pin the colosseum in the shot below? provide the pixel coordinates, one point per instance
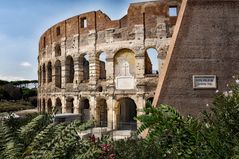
(102, 68)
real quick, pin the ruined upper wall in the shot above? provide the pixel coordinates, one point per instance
(145, 13)
(207, 44)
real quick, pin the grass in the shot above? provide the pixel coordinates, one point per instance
(10, 106)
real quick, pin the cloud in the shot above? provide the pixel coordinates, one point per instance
(26, 64)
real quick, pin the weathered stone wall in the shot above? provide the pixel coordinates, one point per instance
(147, 25)
(207, 44)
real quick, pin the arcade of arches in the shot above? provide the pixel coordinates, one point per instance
(115, 111)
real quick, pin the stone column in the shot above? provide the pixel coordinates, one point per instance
(161, 57)
(63, 63)
(53, 82)
(93, 69)
(63, 74)
(140, 64)
(80, 72)
(115, 113)
(140, 70)
(140, 106)
(76, 105)
(92, 102)
(63, 104)
(53, 101)
(77, 79)
(110, 112)
(110, 73)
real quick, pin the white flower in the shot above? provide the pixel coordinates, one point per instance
(217, 91)
(225, 93)
(207, 105)
(230, 93)
(207, 125)
(233, 77)
(237, 81)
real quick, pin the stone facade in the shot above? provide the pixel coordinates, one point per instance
(73, 78)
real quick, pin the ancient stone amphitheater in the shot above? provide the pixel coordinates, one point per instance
(102, 68)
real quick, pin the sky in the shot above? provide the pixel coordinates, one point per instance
(22, 22)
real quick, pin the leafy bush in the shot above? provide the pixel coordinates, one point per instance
(177, 136)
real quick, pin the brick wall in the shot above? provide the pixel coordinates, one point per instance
(207, 44)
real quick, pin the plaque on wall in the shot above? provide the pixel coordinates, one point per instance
(125, 82)
(204, 81)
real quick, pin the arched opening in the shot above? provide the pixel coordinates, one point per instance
(58, 106)
(85, 109)
(151, 61)
(125, 69)
(49, 72)
(57, 50)
(99, 88)
(150, 100)
(58, 74)
(70, 71)
(86, 74)
(49, 106)
(69, 105)
(126, 114)
(101, 113)
(43, 105)
(44, 73)
(102, 62)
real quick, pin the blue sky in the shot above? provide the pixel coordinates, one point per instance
(23, 21)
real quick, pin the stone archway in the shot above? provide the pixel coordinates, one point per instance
(150, 99)
(102, 65)
(151, 61)
(49, 72)
(43, 105)
(49, 106)
(44, 73)
(58, 106)
(69, 105)
(85, 109)
(127, 110)
(101, 113)
(69, 69)
(58, 74)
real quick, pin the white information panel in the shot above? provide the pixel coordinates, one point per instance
(204, 81)
(125, 82)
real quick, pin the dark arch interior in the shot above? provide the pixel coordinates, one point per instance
(102, 112)
(43, 106)
(85, 110)
(69, 69)
(70, 105)
(58, 74)
(58, 106)
(127, 113)
(86, 68)
(49, 72)
(49, 106)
